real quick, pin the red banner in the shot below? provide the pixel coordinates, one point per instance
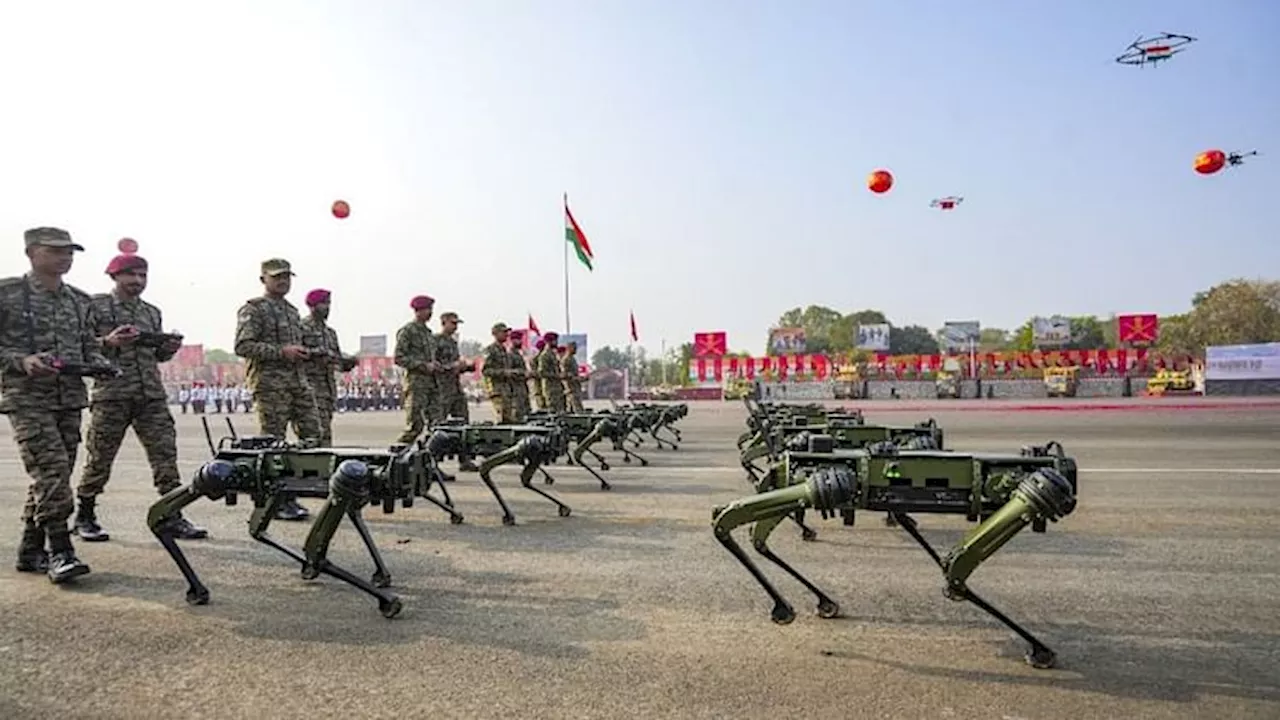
(707, 344)
(1143, 328)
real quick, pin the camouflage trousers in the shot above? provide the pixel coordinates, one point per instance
(419, 409)
(539, 397)
(505, 408)
(324, 415)
(280, 407)
(555, 399)
(47, 441)
(520, 398)
(453, 403)
(573, 399)
(108, 422)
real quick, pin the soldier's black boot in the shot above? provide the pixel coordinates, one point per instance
(86, 522)
(31, 555)
(63, 563)
(290, 509)
(466, 464)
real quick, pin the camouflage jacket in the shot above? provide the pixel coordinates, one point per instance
(535, 368)
(496, 380)
(569, 372)
(446, 353)
(520, 374)
(551, 374)
(141, 365)
(415, 347)
(320, 367)
(264, 326)
(34, 320)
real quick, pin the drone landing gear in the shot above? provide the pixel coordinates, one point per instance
(1038, 654)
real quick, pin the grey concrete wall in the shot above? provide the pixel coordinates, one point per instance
(997, 389)
(1242, 387)
(1093, 387)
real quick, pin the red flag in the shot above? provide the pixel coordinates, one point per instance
(1144, 328)
(710, 343)
(533, 326)
(635, 337)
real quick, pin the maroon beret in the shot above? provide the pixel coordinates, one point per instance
(125, 263)
(317, 296)
(422, 301)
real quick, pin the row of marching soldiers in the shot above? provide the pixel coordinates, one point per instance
(548, 382)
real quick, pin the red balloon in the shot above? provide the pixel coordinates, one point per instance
(128, 246)
(880, 181)
(1210, 162)
(341, 209)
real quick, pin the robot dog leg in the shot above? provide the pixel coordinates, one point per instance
(829, 487)
(1043, 495)
(531, 451)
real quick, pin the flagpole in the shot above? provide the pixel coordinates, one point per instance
(565, 242)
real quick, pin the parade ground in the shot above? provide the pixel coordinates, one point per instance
(1161, 593)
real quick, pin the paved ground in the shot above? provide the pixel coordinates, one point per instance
(1160, 594)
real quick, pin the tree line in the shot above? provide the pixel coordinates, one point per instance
(1236, 312)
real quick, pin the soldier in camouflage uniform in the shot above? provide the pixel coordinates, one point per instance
(324, 357)
(519, 374)
(535, 378)
(136, 399)
(41, 319)
(572, 381)
(269, 338)
(497, 375)
(453, 403)
(416, 353)
(552, 375)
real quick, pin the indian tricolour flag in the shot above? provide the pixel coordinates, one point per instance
(574, 236)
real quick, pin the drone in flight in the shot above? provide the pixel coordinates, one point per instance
(947, 203)
(1212, 161)
(1153, 50)
(1236, 158)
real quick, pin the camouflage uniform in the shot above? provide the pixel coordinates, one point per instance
(552, 380)
(535, 380)
(519, 379)
(497, 382)
(280, 387)
(452, 401)
(44, 411)
(322, 341)
(572, 382)
(136, 399)
(415, 347)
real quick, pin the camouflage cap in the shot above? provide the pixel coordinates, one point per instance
(451, 315)
(277, 266)
(50, 237)
(499, 327)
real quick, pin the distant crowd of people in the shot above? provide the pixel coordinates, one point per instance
(222, 398)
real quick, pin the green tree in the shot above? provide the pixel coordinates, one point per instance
(1236, 312)
(993, 339)
(611, 358)
(1086, 334)
(818, 322)
(844, 337)
(470, 348)
(217, 356)
(912, 340)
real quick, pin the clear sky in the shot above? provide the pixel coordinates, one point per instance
(714, 151)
